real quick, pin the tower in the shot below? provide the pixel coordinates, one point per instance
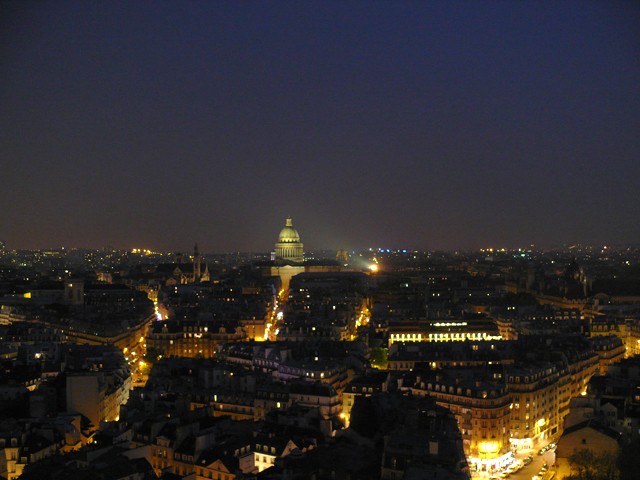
(196, 263)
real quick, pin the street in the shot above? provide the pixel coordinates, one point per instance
(528, 471)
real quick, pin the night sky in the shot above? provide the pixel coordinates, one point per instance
(373, 124)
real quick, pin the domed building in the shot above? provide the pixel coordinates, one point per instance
(289, 248)
(287, 260)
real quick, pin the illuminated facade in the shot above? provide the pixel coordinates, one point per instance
(12, 466)
(190, 339)
(632, 343)
(289, 248)
(535, 409)
(610, 349)
(443, 331)
(162, 450)
(96, 397)
(581, 365)
(288, 258)
(409, 356)
(542, 392)
(222, 468)
(265, 449)
(480, 405)
(98, 382)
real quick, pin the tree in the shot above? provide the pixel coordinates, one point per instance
(629, 461)
(364, 418)
(588, 465)
(379, 358)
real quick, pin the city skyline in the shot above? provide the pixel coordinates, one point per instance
(310, 254)
(424, 126)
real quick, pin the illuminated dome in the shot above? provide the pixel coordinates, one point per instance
(288, 234)
(289, 248)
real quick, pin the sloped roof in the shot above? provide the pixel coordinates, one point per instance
(594, 425)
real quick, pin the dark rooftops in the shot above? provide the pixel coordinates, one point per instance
(307, 388)
(595, 425)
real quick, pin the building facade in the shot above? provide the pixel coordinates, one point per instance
(289, 248)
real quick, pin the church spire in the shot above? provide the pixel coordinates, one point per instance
(196, 264)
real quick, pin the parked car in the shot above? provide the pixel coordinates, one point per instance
(527, 460)
(546, 448)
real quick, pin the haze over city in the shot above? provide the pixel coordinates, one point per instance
(402, 124)
(361, 240)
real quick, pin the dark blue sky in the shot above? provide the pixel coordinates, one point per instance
(402, 124)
